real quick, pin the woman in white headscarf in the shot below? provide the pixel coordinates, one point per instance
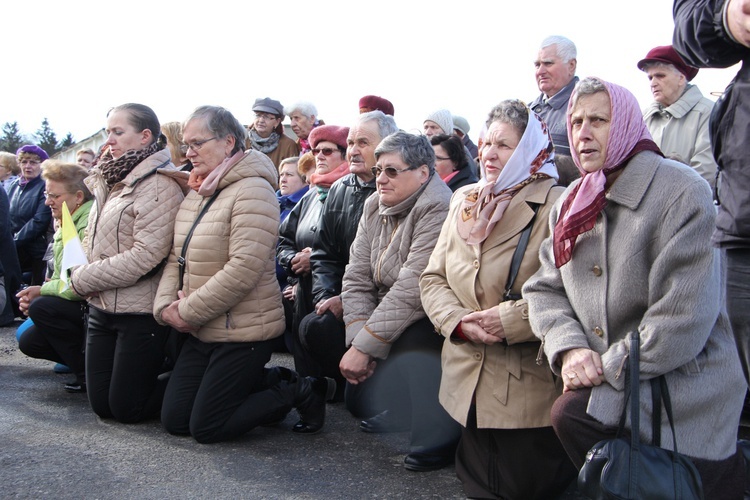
(471, 290)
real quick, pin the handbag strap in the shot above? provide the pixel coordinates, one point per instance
(515, 263)
(181, 258)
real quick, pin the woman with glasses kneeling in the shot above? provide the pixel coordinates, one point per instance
(58, 332)
(630, 252)
(128, 239)
(220, 289)
(492, 384)
(393, 363)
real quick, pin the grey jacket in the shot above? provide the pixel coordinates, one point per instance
(682, 130)
(554, 113)
(648, 265)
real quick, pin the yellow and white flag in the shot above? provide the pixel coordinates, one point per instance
(72, 254)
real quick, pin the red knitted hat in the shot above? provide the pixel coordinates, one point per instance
(666, 54)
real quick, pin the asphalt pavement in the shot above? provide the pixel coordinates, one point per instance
(53, 446)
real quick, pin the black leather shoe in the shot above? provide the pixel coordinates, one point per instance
(424, 462)
(76, 387)
(312, 394)
(382, 423)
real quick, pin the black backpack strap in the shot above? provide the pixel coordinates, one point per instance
(181, 258)
(515, 263)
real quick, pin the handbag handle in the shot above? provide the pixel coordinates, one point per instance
(660, 392)
(181, 259)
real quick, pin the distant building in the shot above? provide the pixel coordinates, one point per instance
(94, 142)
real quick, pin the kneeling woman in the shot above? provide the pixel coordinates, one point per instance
(225, 293)
(58, 332)
(128, 239)
(491, 382)
(393, 364)
(631, 251)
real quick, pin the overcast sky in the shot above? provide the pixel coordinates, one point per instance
(72, 61)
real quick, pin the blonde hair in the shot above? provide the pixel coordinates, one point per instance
(71, 175)
(9, 162)
(173, 132)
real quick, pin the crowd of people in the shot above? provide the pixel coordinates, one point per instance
(478, 296)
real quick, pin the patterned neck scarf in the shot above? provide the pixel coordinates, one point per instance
(484, 205)
(115, 170)
(266, 145)
(628, 136)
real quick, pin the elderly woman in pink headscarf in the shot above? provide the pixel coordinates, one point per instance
(630, 252)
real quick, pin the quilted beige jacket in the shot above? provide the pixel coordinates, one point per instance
(230, 274)
(128, 236)
(381, 283)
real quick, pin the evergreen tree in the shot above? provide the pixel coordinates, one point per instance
(11, 139)
(47, 139)
(66, 142)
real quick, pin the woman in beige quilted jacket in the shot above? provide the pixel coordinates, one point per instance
(225, 297)
(128, 238)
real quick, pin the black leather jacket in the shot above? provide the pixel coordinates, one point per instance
(30, 218)
(702, 40)
(339, 221)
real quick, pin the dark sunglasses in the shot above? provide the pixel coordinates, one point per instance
(325, 151)
(391, 172)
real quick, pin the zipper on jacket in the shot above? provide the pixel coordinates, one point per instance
(230, 321)
(540, 354)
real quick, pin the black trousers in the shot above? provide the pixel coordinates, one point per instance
(319, 346)
(578, 432)
(124, 355)
(58, 333)
(512, 463)
(407, 384)
(221, 390)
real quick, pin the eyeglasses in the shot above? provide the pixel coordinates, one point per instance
(51, 196)
(441, 158)
(325, 151)
(197, 145)
(265, 116)
(391, 172)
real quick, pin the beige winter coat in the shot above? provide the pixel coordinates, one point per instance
(381, 283)
(230, 275)
(510, 389)
(681, 130)
(128, 237)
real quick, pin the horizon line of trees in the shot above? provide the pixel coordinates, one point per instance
(12, 138)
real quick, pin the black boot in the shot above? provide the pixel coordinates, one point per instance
(310, 401)
(274, 376)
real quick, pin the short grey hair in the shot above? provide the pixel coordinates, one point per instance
(220, 123)
(566, 50)
(414, 150)
(304, 107)
(511, 111)
(386, 123)
(588, 86)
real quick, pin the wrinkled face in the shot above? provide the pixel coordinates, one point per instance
(667, 84)
(31, 165)
(552, 74)
(443, 164)
(325, 164)
(265, 123)
(362, 141)
(500, 142)
(205, 151)
(394, 190)
(85, 160)
(289, 180)
(431, 128)
(57, 193)
(590, 122)
(122, 136)
(301, 124)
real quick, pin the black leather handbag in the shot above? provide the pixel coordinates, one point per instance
(627, 469)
